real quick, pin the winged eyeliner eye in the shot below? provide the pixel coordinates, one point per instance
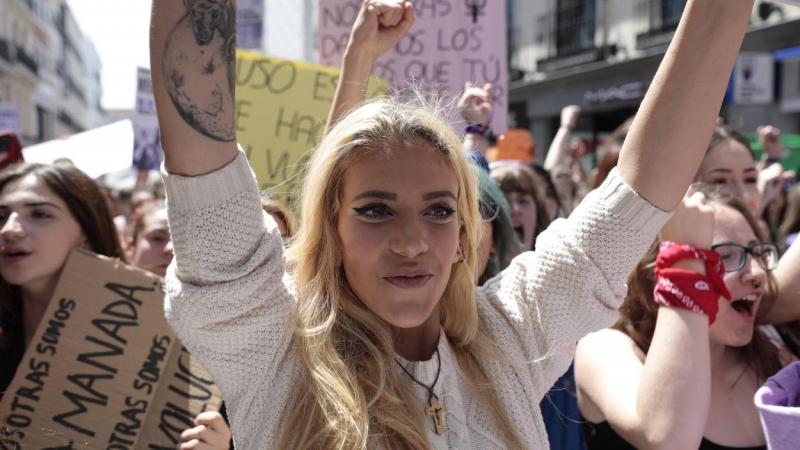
(442, 211)
(373, 210)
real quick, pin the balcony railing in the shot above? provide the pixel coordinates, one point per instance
(5, 50)
(26, 60)
(71, 88)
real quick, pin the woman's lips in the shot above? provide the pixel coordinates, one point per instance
(409, 282)
(14, 256)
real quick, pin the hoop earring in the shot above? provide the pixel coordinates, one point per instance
(460, 255)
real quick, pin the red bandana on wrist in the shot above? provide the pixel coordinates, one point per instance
(687, 289)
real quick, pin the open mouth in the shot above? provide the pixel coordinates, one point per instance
(745, 306)
(13, 255)
(520, 233)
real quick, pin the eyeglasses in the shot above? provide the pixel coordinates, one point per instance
(734, 256)
(489, 211)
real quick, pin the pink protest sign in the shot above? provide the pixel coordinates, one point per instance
(452, 42)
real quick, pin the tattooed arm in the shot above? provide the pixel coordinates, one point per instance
(192, 57)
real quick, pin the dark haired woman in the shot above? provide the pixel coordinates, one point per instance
(668, 377)
(526, 204)
(46, 211)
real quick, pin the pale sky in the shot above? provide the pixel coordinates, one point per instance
(119, 31)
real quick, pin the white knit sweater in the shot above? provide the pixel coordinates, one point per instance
(230, 300)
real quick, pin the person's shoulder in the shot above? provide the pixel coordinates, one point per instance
(601, 342)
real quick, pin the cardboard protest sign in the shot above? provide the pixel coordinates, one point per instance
(104, 370)
(451, 42)
(281, 109)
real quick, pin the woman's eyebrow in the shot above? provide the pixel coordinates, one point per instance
(384, 195)
(33, 204)
(377, 194)
(438, 194)
(719, 169)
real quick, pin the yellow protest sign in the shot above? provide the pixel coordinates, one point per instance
(281, 108)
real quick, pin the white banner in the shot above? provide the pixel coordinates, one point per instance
(96, 152)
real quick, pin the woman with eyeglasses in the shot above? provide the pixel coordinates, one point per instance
(729, 166)
(670, 377)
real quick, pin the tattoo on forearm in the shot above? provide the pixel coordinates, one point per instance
(198, 67)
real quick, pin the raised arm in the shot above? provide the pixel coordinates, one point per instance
(476, 109)
(228, 297)
(672, 129)
(192, 60)
(559, 148)
(660, 400)
(379, 26)
(787, 275)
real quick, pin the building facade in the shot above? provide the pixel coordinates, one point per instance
(281, 28)
(49, 71)
(603, 54)
(291, 29)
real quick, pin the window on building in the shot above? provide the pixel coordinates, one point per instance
(41, 118)
(671, 11)
(575, 25)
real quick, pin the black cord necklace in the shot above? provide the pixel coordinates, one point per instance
(435, 409)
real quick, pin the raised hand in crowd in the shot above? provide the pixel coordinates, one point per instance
(380, 24)
(559, 150)
(787, 276)
(771, 176)
(476, 108)
(475, 104)
(770, 139)
(648, 400)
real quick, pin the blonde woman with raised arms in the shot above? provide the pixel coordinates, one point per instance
(369, 333)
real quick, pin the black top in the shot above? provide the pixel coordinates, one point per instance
(10, 357)
(12, 337)
(600, 436)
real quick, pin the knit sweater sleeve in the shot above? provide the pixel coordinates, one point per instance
(227, 295)
(545, 301)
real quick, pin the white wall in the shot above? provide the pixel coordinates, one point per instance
(290, 29)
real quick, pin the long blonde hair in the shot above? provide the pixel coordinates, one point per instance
(349, 392)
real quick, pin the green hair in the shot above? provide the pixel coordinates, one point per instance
(503, 235)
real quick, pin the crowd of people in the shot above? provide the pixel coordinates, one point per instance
(428, 294)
